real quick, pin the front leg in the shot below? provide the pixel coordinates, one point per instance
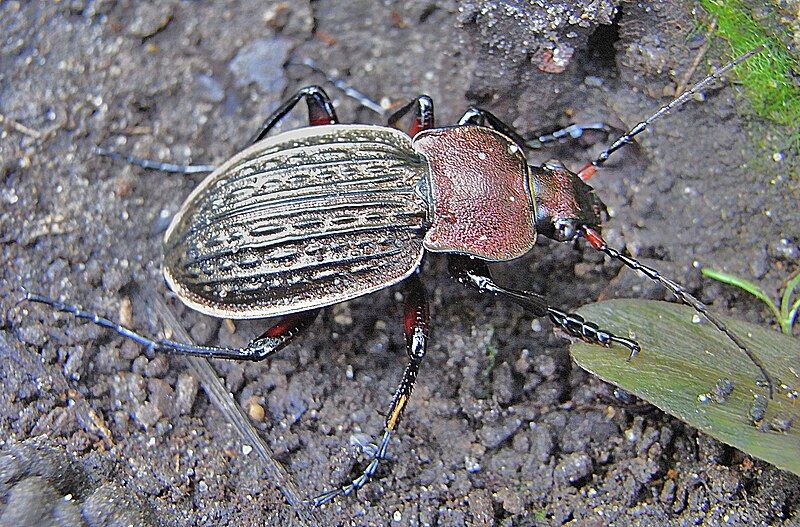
(475, 273)
(423, 118)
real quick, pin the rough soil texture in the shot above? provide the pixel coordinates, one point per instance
(502, 428)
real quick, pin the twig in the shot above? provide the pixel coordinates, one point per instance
(21, 128)
(679, 89)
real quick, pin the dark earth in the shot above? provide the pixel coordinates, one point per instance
(502, 429)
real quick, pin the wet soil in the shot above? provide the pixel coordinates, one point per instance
(502, 429)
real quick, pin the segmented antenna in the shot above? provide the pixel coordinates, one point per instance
(591, 168)
(596, 241)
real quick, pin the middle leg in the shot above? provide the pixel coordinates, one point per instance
(481, 117)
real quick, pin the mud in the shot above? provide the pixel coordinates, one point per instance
(502, 428)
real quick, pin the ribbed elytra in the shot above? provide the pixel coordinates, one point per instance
(291, 218)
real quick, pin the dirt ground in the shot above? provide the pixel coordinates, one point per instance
(502, 428)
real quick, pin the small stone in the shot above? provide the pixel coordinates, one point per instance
(342, 315)
(512, 501)
(758, 410)
(260, 62)
(493, 435)
(277, 16)
(256, 412)
(30, 502)
(149, 19)
(593, 82)
(234, 380)
(574, 468)
(186, 391)
(158, 367)
(125, 312)
(111, 504)
(471, 465)
(147, 414)
(139, 364)
(161, 394)
(542, 443)
(201, 331)
(208, 88)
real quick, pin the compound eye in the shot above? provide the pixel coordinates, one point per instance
(565, 230)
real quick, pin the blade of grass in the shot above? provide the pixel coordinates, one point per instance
(745, 285)
(790, 314)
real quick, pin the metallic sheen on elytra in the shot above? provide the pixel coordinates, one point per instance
(304, 219)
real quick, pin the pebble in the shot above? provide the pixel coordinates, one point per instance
(158, 367)
(573, 468)
(186, 392)
(493, 436)
(149, 19)
(33, 501)
(208, 88)
(260, 62)
(256, 411)
(147, 414)
(114, 506)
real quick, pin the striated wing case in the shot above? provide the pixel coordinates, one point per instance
(304, 219)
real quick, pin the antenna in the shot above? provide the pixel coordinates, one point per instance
(591, 168)
(596, 241)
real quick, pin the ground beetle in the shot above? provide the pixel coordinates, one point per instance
(330, 212)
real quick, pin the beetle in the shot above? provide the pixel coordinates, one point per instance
(320, 215)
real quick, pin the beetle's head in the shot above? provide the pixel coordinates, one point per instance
(565, 206)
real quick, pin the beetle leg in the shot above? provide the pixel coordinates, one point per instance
(320, 110)
(481, 117)
(357, 95)
(423, 115)
(475, 273)
(573, 131)
(273, 340)
(154, 165)
(415, 327)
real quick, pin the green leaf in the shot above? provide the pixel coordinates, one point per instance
(682, 363)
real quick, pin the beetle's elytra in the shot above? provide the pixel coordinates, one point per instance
(301, 220)
(316, 216)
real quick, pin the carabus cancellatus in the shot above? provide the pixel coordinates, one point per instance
(323, 214)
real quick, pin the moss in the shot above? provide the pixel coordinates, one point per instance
(769, 78)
